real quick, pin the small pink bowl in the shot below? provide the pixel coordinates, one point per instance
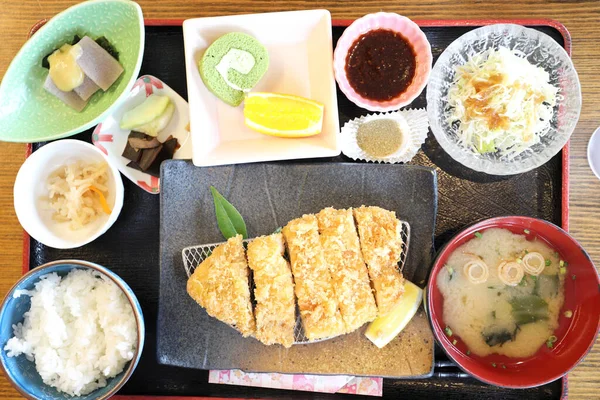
(396, 23)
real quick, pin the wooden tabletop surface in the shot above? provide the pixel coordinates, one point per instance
(581, 17)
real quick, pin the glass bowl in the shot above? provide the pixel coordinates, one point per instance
(541, 50)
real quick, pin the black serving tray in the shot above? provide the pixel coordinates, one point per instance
(131, 247)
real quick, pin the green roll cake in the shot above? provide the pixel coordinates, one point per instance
(232, 65)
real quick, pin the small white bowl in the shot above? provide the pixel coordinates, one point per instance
(30, 189)
(593, 152)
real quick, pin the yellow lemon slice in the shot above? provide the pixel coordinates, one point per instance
(386, 327)
(283, 115)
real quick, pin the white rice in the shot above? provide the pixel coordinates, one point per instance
(80, 331)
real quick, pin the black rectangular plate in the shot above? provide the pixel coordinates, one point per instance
(268, 196)
(131, 246)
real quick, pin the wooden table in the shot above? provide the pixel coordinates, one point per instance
(580, 17)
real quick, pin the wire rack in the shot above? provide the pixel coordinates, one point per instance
(194, 255)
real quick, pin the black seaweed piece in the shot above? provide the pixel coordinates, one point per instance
(131, 153)
(497, 336)
(168, 149)
(106, 45)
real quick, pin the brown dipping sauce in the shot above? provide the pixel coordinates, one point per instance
(380, 65)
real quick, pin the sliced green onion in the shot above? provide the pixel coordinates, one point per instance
(550, 341)
(563, 270)
(568, 314)
(494, 365)
(561, 263)
(454, 342)
(468, 352)
(503, 366)
(478, 235)
(548, 263)
(573, 277)
(448, 331)
(527, 231)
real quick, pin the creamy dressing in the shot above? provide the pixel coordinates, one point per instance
(64, 70)
(238, 60)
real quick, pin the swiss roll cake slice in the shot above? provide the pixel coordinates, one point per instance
(275, 309)
(381, 245)
(220, 285)
(317, 301)
(349, 273)
(232, 65)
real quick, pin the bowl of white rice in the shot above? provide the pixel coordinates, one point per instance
(70, 330)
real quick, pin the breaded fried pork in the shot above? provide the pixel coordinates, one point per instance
(220, 285)
(381, 244)
(317, 302)
(274, 291)
(350, 277)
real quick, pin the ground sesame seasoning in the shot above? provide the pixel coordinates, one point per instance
(380, 137)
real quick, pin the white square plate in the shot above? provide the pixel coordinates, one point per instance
(301, 63)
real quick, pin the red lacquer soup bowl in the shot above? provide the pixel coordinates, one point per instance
(575, 335)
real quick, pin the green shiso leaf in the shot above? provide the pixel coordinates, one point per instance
(229, 219)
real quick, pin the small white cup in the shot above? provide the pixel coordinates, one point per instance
(593, 152)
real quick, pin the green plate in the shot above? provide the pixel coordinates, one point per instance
(30, 114)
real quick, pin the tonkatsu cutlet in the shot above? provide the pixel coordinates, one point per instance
(275, 309)
(381, 244)
(318, 306)
(220, 285)
(350, 278)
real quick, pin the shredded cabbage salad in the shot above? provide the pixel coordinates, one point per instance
(503, 103)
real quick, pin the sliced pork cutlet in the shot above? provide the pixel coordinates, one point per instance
(220, 285)
(275, 309)
(381, 245)
(317, 301)
(350, 277)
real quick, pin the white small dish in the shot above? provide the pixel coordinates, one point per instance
(111, 139)
(413, 124)
(593, 152)
(30, 189)
(300, 63)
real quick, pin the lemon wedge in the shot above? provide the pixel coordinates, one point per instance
(283, 115)
(386, 327)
